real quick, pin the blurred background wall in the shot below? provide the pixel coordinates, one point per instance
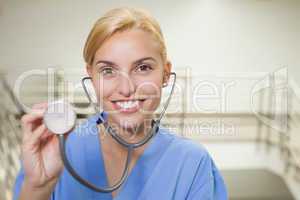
(206, 35)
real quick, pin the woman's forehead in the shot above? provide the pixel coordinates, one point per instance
(128, 46)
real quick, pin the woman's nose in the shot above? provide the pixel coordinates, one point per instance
(126, 85)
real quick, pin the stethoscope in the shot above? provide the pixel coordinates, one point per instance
(60, 118)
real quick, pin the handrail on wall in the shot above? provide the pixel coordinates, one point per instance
(290, 154)
(283, 138)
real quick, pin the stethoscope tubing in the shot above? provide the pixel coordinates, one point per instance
(72, 171)
(130, 146)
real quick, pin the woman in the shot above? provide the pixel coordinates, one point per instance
(126, 58)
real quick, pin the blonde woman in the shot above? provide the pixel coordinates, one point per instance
(126, 58)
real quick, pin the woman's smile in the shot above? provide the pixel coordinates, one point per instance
(128, 106)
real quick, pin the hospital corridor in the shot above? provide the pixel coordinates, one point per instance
(236, 91)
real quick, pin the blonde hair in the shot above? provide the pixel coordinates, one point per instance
(117, 20)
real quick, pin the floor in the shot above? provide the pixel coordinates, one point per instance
(255, 185)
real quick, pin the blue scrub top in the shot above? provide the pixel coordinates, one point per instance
(171, 168)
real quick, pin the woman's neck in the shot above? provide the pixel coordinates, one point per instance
(132, 135)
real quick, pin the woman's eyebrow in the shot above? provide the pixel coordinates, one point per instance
(105, 62)
(135, 62)
(143, 59)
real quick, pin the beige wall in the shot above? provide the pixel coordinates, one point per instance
(205, 35)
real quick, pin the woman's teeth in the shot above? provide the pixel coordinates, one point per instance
(128, 104)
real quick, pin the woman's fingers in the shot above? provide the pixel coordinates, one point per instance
(28, 120)
(32, 121)
(46, 134)
(33, 138)
(37, 134)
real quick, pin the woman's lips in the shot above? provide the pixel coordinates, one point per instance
(128, 106)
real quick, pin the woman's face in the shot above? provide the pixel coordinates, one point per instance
(127, 75)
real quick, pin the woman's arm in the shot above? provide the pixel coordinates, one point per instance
(39, 193)
(41, 161)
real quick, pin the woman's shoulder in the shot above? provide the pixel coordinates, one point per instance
(195, 168)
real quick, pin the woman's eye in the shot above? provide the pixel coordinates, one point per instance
(143, 68)
(107, 71)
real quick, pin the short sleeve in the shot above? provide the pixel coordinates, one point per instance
(208, 183)
(18, 184)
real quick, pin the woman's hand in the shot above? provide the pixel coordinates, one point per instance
(40, 150)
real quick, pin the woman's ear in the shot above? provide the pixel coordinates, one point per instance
(167, 71)
(89, 70)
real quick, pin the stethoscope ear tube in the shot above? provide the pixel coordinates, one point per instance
(71, 170)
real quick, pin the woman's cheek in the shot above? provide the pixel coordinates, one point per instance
(148, 89)
(153, 100)
(102, 96)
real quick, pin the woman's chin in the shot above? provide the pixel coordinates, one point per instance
(129, 124)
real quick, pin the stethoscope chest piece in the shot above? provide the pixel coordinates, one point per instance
(60, 117)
